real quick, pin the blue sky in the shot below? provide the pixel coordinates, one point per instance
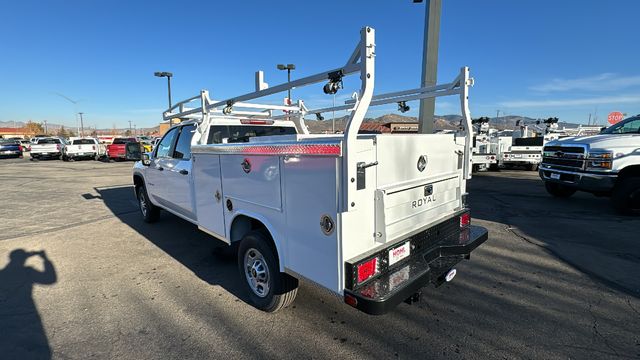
(534, 58)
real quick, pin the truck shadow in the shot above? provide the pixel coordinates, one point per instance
(180, 239)
(583, 230)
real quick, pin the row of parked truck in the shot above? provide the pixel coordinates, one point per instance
(47, 147)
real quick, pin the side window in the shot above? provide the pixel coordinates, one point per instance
(163, 148)
(217, 133)
(183, 146)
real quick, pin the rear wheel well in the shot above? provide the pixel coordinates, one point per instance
(243, 225)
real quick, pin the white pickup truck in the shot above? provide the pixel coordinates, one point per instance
(607, 164)
(372, 218)
(85, 148)
(47, 148)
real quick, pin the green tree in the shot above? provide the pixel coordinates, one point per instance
(127, 132)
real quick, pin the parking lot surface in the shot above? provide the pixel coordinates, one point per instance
(556, 279)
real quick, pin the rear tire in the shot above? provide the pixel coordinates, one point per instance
(269, 290)
(626, 196)
(532, 167)
(559, 190)
(150, 213)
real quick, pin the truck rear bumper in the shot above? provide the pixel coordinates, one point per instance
(427, 266)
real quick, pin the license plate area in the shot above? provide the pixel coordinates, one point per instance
(555, 176)
(399, 253)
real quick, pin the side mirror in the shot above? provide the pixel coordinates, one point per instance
(146, 159)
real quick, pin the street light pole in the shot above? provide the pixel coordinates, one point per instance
(287, 67)
(168, 75)
(81, 125)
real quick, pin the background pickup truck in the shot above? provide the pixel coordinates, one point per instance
(86, 148)
(605, 165)
(48, 148)
(117, 150)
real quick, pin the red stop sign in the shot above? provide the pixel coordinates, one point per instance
(614, 117)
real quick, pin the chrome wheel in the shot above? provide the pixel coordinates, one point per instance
(257, 272)
(143, 203)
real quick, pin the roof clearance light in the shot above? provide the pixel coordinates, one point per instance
(367, 269)
(465, 220)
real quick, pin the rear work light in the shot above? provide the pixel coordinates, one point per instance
(465, 220)
(367, 269)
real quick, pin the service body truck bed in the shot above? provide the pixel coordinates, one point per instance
(372, 218)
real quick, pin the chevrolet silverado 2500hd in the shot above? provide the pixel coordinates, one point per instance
(372, 218)
(607, 164)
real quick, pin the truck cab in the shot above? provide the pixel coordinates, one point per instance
(169, 176)
(607, 164)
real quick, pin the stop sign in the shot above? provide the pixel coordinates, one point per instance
(614, 117)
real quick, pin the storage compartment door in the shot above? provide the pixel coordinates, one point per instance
(208, 194)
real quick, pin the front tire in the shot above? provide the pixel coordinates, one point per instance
(559, 190)
(269, 290)
(150, 213)
(626, 196)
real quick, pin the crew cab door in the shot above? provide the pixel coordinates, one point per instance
(178, 172)
(156, 181)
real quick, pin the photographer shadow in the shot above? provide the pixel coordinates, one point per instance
(23, 335)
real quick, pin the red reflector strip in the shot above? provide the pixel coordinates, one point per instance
(465, 219)
(367, 269)
(292, 149)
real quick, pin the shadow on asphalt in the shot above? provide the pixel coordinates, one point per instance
(23, 336)
(503, 304)
(180, 239)
(582, 230)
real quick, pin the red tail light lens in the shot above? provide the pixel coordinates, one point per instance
(57, 146)
(367, 269)
(20, 148)
(93, 147)
(465, 220)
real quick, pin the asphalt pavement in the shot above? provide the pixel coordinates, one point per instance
(81, 276)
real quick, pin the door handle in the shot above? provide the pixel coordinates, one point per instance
(183, 172)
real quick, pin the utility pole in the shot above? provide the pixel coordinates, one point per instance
(81, 125)
(433, 10)
(129, 127)
(168, 75)
(45, 127)
(135, 131)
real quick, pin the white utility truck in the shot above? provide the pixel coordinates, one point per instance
(607, 164)
(484, 151)
(526, 148)
(372, 218)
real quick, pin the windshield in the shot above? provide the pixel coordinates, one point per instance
(242, 133)
(83, 142)
(626, 126)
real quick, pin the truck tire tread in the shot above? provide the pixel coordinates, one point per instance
(153, 212)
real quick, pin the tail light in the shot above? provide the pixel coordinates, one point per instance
(465, 220)
(256, 122)
(20, 148)
(58, 147)
(93, 147)
(367, 269)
